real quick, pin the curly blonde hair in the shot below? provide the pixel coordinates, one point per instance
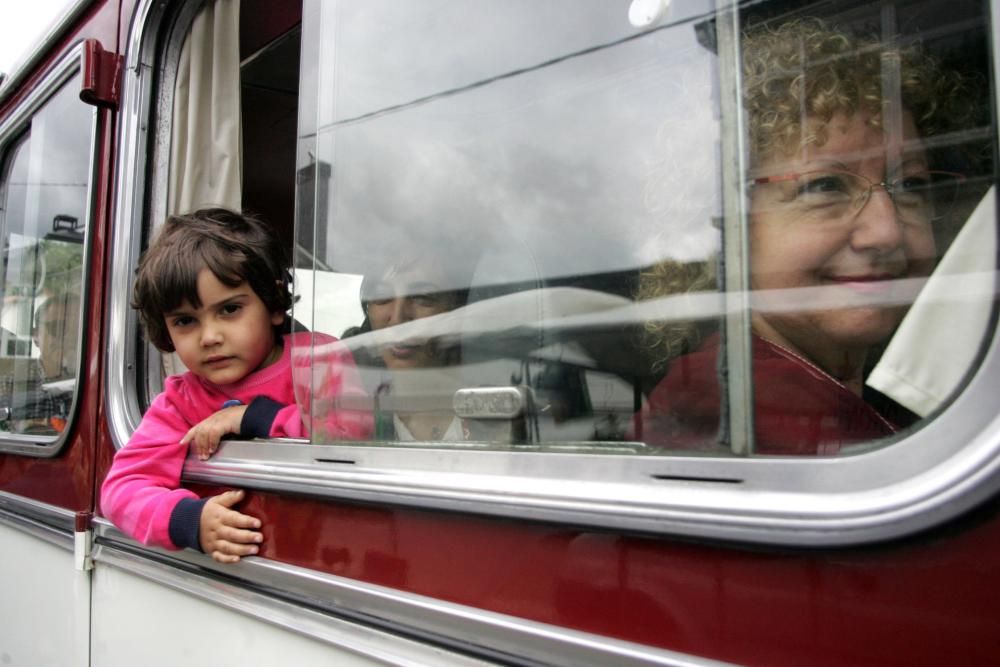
(663, 340)
(803, 69)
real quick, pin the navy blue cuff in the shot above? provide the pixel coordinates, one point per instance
(185, 523)
(259, 417)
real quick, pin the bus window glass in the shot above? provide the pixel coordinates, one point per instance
(46, 175)
(867, 177)
(519, 224)
(493, 195)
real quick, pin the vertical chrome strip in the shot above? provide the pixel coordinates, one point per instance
(120, 402)
(738, 415)
(994, 10)
(140, 193)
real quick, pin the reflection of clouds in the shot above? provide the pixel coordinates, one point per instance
(390, 195)
(602, 162)
(682, 194)
(412, 50)
(51, 169)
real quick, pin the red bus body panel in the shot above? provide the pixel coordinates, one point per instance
(67, 480)
(921, 601)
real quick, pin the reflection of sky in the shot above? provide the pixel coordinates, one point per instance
(50, 170)
(600, 162)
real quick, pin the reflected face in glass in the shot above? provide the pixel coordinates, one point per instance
(410, 293)
(801, 237)
(230, 336)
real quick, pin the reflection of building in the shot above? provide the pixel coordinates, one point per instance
(313, 188)
(24, 272)
(39, 327)
(34, 271)
(15, 328)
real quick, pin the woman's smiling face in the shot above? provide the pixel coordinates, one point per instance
(861, 252)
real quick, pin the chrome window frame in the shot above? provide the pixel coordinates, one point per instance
(136, 201)
(931, 476)
(68, 66)
(51, 523)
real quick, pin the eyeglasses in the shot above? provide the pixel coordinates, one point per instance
(832, 194)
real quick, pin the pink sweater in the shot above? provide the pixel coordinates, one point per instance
(141, 493)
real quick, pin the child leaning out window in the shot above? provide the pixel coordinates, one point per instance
(213, 287)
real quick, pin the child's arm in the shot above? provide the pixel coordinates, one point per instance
(140, 492)
(332, 376)
(262, 418)
(329, 364)
(226, 534)
(265, 417)
(141, 496)
(204, 437)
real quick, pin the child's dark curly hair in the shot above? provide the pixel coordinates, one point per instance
(235, 247)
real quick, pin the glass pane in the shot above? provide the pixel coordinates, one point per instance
(516, 215)
(870, 224)
(496, 177)
(46, 178)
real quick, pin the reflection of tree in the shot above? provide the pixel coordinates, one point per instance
(50, 266)
(36, 271)
(42, 293)
(63, 266)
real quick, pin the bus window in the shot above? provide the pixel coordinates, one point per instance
(865, 156)
(559, 241)
(46, 176)
(496, 194)
(579, 261)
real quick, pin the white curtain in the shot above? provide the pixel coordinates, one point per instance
(206, 149)
(937, 342)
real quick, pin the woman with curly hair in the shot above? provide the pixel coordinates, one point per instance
(842, 198)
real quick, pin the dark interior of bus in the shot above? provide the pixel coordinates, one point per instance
(270, 37)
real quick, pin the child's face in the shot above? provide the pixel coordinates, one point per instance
(229, 337)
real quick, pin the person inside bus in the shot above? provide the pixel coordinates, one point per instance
(420, 285)
(843, 198)
(213, 287)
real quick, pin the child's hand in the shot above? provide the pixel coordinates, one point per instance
(204, 437)
(226, 534)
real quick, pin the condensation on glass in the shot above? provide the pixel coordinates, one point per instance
(45, 180)
(520, 220)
